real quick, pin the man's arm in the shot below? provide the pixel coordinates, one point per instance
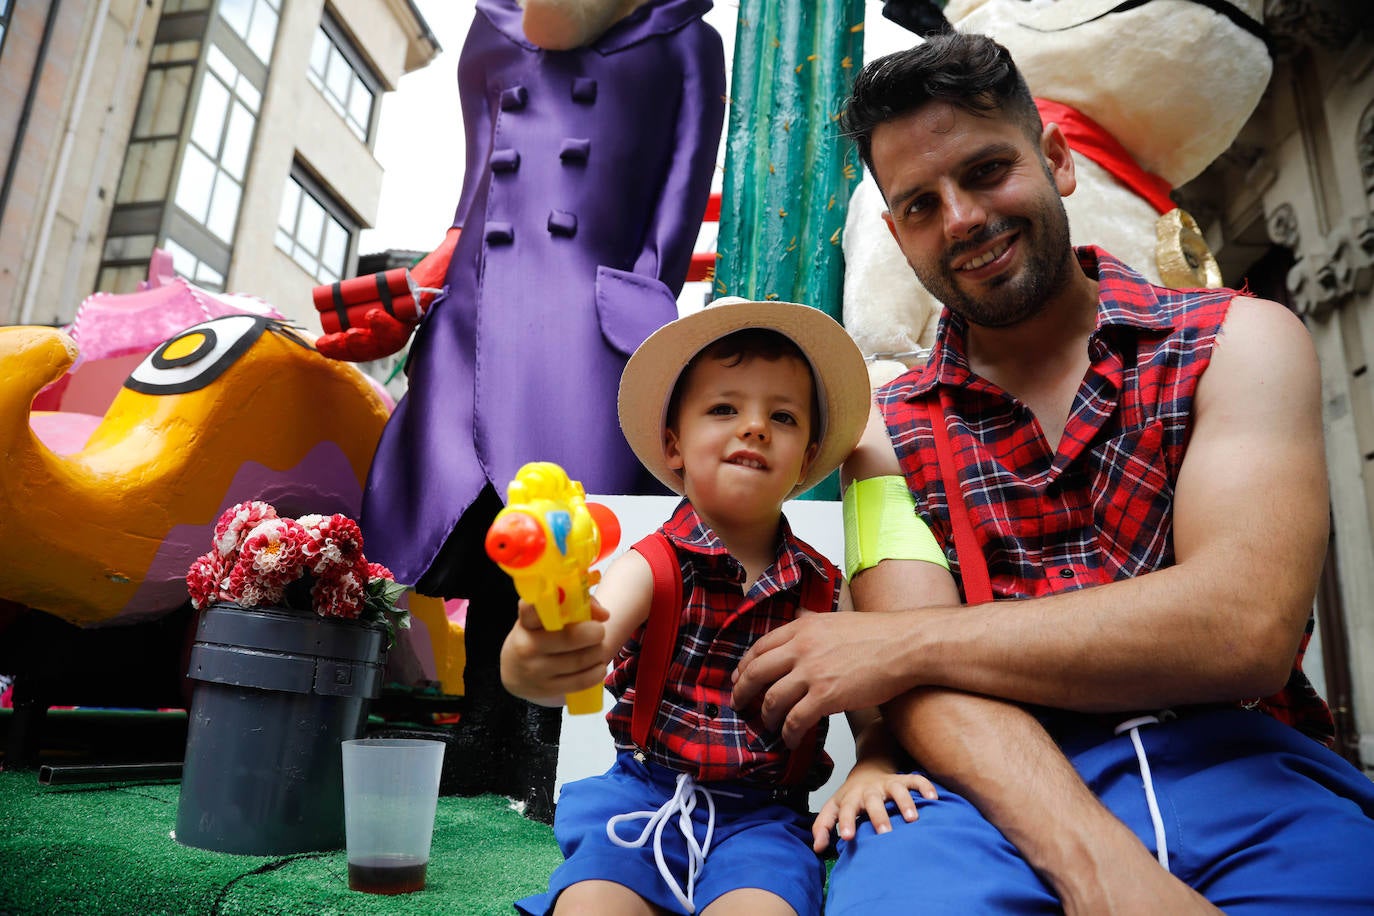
(1223, 624)
(999, 757)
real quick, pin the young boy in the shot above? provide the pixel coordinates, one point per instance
(773, 397)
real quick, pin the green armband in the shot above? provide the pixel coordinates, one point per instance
(880, 523)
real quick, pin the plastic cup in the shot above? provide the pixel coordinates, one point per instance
(391, 789)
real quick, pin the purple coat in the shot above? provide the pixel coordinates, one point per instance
(586, 179)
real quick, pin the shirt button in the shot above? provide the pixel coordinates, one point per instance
(1066, 573)
(711, 710)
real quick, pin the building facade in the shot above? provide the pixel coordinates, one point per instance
(236, 134)
(1289, 210)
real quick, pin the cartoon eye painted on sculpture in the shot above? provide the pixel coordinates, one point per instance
(197, 356)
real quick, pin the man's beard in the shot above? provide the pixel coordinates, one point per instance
(1010, 298)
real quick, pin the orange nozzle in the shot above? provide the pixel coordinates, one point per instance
(609, 526)
(515, 540)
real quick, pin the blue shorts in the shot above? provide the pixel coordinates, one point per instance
(757, 842)
(1258, 818)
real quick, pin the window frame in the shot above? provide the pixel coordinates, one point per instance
(362, 72)
(333, 209)
(6, 14)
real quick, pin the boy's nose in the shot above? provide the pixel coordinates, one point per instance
(754, 428)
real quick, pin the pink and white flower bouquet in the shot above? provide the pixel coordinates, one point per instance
(312, 563)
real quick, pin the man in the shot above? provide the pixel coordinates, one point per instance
(1142, 472)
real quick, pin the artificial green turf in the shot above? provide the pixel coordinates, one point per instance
(107, 850)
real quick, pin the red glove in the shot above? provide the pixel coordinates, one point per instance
(379, 332)
(427, 276)
(379, 335)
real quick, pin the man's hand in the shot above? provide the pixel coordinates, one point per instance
(380, 335)
(821, 664)
(543, 666)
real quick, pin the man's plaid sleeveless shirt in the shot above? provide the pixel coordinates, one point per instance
(1100, 509)
(695, 730)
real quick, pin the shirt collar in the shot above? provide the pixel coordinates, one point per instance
(1124, 299)
(649, 21)
(686, 530)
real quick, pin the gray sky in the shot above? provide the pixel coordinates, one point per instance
(420, 137)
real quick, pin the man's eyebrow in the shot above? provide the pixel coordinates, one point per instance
(985, 152)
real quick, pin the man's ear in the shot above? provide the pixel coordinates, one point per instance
(1054, 146)
(891, 226)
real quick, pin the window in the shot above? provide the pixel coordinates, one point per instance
(255, 21)
(347, 83)
(185, 262)
(313, 230)
(151, 154)
(6, 7)
(216, 160)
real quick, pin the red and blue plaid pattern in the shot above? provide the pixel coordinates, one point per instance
(696, 731)
(1100, 509)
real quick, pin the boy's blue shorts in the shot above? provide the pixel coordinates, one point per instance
(758, 842)
(1258, 818)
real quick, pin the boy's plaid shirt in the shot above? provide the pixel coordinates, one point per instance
(1099, 509)
(696, 731)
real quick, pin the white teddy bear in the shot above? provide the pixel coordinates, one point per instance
(1171, 81)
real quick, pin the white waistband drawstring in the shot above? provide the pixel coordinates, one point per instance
(1133, 726)
(682, 803)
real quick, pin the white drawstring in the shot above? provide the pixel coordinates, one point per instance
(682, 803)
(1133, 726)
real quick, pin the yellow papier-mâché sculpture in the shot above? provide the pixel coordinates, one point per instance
(239, 407)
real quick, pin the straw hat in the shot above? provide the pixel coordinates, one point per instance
(837, 367)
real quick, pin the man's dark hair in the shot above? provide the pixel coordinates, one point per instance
(743, 345)
(971, 72)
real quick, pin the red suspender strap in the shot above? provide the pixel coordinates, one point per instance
(660, 632)
(818, 594)
(973, 567)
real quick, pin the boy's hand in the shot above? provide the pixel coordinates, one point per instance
(543, 666)
(867, 790)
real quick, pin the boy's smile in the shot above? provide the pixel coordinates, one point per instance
(742, 435)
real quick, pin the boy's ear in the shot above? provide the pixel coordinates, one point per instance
(671, 450)
(811, 451)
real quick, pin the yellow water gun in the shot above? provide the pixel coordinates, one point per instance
(546, 539)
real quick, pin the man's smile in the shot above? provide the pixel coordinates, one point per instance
(987, 257)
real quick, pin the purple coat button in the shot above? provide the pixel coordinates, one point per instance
(514, 98)
(584, 90)
(563, 223)
(504, 160)
(574, 150)
(499, 233)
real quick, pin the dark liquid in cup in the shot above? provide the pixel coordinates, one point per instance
(387, 874)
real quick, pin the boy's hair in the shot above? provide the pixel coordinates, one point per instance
(971, 72)
(739, 347)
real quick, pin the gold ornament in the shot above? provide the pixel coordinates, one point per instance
(1181, 253)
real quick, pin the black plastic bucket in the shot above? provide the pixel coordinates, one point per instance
(277, 694)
